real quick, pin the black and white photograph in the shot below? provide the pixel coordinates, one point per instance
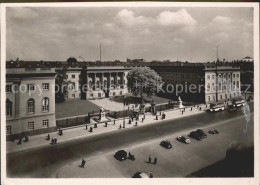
(118, 91)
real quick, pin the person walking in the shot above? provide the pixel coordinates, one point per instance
(155, 161)
(149, 159)
(83, 162)
(52, 141)
(120, 126)
(151, 174)
(48, 137)
(191, 109)
(182, 112)
(55, 140)
(142, 120)
(136, 123)
(156, 117)
(129, 122)
(200, 108)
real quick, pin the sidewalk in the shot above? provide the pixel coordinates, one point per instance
(70, 134)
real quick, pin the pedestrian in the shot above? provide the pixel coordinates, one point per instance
(48, 137)
(91, 129)
(55, 140)
(120, 126)
(61, 132)
(142, 120)
(129, 122)
(52, 141)
(200, 108)
(164, 115)
(26, 139)
(114, 121)
(151, 174)
(86, 127)
(160, 113)
(105, 124)
(182, 112)
(149, 159)
(136, 123)
(20, 141)
(155, 161)
(156, 117)
(83, 162)
(191, 109)
(144, 116)
(95, 125)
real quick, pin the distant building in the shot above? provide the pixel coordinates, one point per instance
(30, 101)
(203, 77)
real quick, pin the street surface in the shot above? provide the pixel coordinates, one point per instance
(142, 141)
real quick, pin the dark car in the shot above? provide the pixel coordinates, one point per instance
(231, 108)
(121, 155)
(183, 139)
(140, 175)
(195, 135)
(166, 144)
(202, 133)
(213, 132)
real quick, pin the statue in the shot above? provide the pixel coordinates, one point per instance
(180, 103)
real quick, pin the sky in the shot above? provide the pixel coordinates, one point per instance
(151, 33)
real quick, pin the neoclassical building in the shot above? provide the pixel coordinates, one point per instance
(94, 82)
(30, 101)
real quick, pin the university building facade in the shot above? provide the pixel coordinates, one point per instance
(30, 101)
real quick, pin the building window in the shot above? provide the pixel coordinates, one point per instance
(225, 96)
(45, 86)
(208, 87)
(121, 93)
(234, 75)
(221, 97)
(72, 76)
(214, 98)
(45, 104)
(8, 130)
(114, 93)
(31, 125)
(213, 76)
(91, 94)
(73, 85)
(8, 107)
(219, 86)
(30, 106)
(45, 123)
(208, 98)
(208, 77)
(73, 95)
(237, 75)
(8, 88)
(99, 95)
(177, 75)
(31, 87)
(238, 84)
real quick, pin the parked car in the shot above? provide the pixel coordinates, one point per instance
(166, 144)
(183, 139)
(213, 107)
(202, 133)
(238, 102)
(195, 135)
(213, 132)
(140, 175)
(121, 155)
(232, 108)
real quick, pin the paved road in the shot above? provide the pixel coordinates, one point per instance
(43, 162)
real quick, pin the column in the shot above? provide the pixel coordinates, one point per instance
(102, 81)
(116, 81)
(94, 80)
(109, 80)
(16, 102)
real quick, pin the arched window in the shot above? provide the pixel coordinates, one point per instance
(30, 106)
(8, 107)
(73, 85)
(238, 84)
(45, 104)
(219, 86)
(208, 87)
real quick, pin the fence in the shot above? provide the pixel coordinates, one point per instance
(120, 114)
(72, 121)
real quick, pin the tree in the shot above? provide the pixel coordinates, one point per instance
(61, 85)
(143, 80)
